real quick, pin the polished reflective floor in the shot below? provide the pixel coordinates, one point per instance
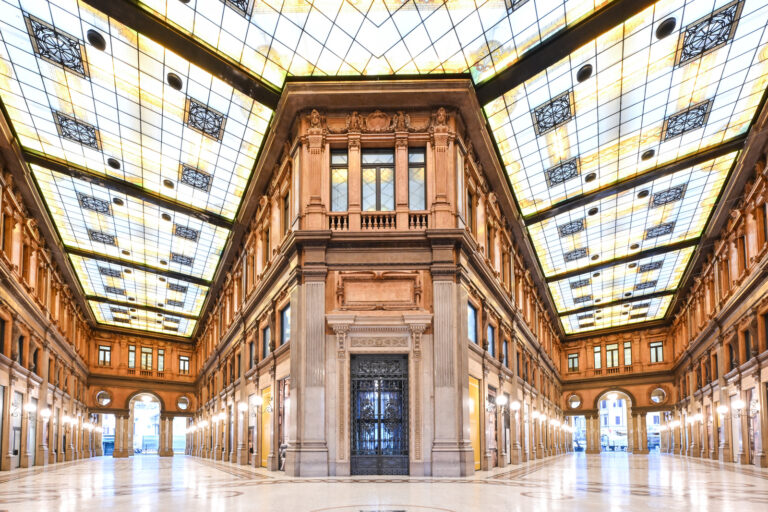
(610, 482)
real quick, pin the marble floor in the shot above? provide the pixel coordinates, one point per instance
(574, 482)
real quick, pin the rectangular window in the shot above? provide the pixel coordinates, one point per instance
(286, 212)
(491, 341)
(417, 188)
(265, 252)
(472, 323)
(618, 420)
(612, 355)
(605, 420)
(627, 353)
(378, 180)
(184, 365)
(105, 355)
(339, 181)
(765, 223)
(505, 354)
(252, 359)
(131, 356)
(742, 248)
(573, 362)
(146, 358)
(598, 358)
(160, 360)
(265, 339)
(471, 211)
(285, 325)
(657, 352)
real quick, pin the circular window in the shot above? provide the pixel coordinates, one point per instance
(658, 395)
(574, 401)
(182, 403)
(103, 398)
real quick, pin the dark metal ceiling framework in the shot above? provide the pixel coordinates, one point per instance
(551, 51)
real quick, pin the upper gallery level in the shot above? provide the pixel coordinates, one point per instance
(392, 172)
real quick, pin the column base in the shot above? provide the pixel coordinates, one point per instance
(216, 454)
(761, 460)
(516, 455)
(242, 456)
(453, 461)
(42, 459)
(306, 461)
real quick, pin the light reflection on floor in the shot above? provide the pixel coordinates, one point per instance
(614, 481)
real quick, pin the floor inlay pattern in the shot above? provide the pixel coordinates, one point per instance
(570, 483)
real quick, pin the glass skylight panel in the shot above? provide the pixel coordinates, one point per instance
(618, 315)
(643, 102)
(669, 209)
(115, 112)
(632, 279)
(134, 231)
(379, 37)
(141, 319)
(98, 278)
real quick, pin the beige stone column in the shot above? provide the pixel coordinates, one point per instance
(761, 458)
(42, 405)
(452, 453)
(307, 452)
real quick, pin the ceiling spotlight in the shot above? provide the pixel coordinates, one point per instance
(96, 40)
(596, 274)
(634, 246)
(665, 28)
(174, 81)
(132, 299)
(113, 163)
(597, 300)
(163, 262)
(165, 217)
(162, 279)
(595, 256)
(592, 211)
(628, 294)
(647, 155)
(168, 183)
(126, 252)
(643, 194)
(632, 265)
(590, 177)
(118, 201)
(584, 72)
(128, 271)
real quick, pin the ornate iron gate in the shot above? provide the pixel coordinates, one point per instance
(379, 411)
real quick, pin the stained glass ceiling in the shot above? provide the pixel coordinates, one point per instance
(275, 38)
(128, 141)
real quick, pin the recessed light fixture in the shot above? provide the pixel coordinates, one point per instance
(174, 81)
(625, 312)
(160, 304)
(632, 265)
(163, 262)
(597, 300)
(590, 177)
(162, 279)
(167, 183)
(118, 201)
(647, 155)
(596, 274)
(113, 163)
(165, 216)
(634, 246)
(665, 28)
(126, 253)
(133, 309)
(584, 72)
(643, 194)
(595, 256)
(96, 39)
(592, 211)
(132, 299)
(128, 271)
(628, 294)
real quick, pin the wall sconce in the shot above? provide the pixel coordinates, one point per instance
(242, 406)
(535, 415)
(30, 407)
(514, 405)
(45, 413)
(699, 417)
(722, 410)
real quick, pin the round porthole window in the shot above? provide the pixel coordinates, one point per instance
(103, 398)
(658, 396)
(182, 403)
(574, 401)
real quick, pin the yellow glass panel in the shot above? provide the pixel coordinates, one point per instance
(617, 316)
(141, 319)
